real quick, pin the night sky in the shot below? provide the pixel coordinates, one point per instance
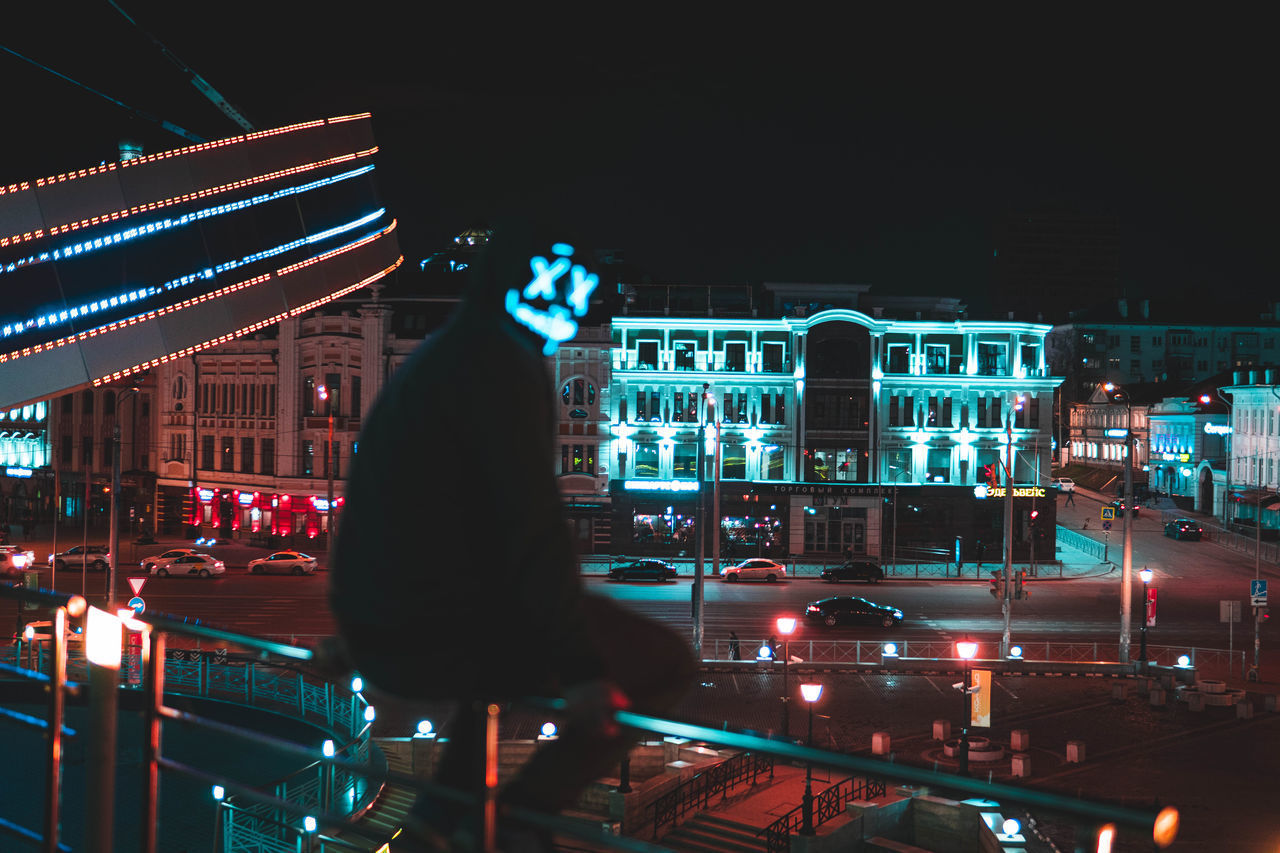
(719, 150)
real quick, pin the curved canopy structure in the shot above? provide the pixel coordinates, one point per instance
(111, 270)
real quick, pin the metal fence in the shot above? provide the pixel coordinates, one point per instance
(305, 811)
(813, 567)
(826, 805)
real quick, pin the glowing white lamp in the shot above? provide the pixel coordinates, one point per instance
(103, 633)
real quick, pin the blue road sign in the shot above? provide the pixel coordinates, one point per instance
(138, 605)
(1258, 593)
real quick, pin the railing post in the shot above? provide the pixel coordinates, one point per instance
(53, 755)
(100, 780)
(489, 829)
(152, 675)
(302, 703)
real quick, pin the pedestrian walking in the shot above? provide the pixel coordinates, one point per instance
(735, 653)
(1071, 497)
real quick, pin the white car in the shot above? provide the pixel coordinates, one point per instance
(190, 565)
(287, 562)
(1064, 484)
(149, 563)
(757, 568)
(94, 557)
(14, 559)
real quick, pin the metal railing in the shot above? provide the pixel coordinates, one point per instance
(321, 823)
(696, 793)
(1082, 543)
(828, 804)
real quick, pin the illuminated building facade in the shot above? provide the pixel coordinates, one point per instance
(1190, 439)
(1253, 494)
(819, 417)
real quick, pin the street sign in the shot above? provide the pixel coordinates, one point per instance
(1228, 611)
(1108, 513)
(138, 605)
(135, 584)
(1257, 593)
(1106, 525)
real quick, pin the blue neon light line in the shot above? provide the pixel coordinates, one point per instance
(60, 317)
(73, 249)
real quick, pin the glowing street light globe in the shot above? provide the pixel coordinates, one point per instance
(967, 649)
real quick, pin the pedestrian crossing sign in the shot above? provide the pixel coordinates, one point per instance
(1108, 513)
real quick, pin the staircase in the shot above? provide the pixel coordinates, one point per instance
(386, 815)
(708, 833)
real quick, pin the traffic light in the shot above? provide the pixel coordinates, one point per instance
(997, 585)
(989, 476)
(1019, 579)
(1264, 616)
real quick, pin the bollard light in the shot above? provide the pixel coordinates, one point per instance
(28, 633)
(425, 729)
(764, 652)
(369, 714)
(1010, 826)
(357, 684)
(548, 731)
(102, 636)
(219, 792)
(1015, 653)
(1184, 661)
(309, 823)
(327, 749)
(888, 650)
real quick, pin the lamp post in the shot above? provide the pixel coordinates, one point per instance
(1126, 571)
(113, 536)
(966, 649)
(786, 626)
(323, 391)
(811, 694)
(1006, 606)
(1145, 574)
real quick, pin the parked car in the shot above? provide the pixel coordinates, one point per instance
(654, 570)
(1064, 484)
(851, 609)
(149, 563)
(190, 565)
(1184, 528)
(13, 559)
(757, 568)
(94, 557)
(854, 570)
(285, 562)
(1118, 505)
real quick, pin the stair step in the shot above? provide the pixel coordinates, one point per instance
(709, 834)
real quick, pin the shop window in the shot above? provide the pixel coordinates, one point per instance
(938, 466)
(898, 466)
(646, 460)
(733, 462)
(685, 461)
(772, 463)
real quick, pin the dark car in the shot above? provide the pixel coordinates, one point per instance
(1183, 528)
(855, 570)
(654, 570)
(1118, 506)
(852, 610)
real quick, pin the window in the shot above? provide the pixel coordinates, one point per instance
(355, 398)
(893, 411)
(772, 408)
(577, 459)
(246, 455)
(1030, 355)
(932, 417)
(177, 446)
(1135, 366)
(107, 448)
(308, 458)
(109, 403)
(773, 357)
(228, 453)
(1113, 363)
(938, 467)
(1157, 340)
(333, 388)
(947, 422)
(935, 358)
(268, 456)
(206, 452)
(772, 464)
(646, 460)
(67, 451)
(647, 355)
(908, 411)
(992, 359)
(86, 452)
(1135, 344)
(733, 462)
(686, 355)
(735, 355)
(898, 466)
(309, 399)
(86, 400)
(678, 408)
(899, 358)
(685, 461)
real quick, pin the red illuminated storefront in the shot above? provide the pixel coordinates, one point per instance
(243, 514)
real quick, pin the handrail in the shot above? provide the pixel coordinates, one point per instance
(826, 805)
(697, 790)
(1160, 824)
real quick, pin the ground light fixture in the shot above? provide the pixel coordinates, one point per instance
(425, 729)
(967, 649)
(1015, 653)
(811, 694)
(786, 627)
(549, 731)
(888, 650)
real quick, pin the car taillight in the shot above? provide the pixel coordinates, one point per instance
(813, 608)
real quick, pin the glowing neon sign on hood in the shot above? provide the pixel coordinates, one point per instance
(554, 323)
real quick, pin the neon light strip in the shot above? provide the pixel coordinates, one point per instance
(179, 152)
(177, 306)
(50, 320)
(120, 374)
(167, 224)
(186, 197)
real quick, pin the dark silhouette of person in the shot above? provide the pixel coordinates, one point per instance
(441, 593)
(1071, 497)
(980, 546)
(735, 652)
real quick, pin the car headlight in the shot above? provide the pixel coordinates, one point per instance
(897, 614)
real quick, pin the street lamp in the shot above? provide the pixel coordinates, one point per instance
(1005, 604)
(113, 536)
(966, 649)
(323, 391)
(1126, 571)
(1145, 574)
(786, 626)
(811, 694)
